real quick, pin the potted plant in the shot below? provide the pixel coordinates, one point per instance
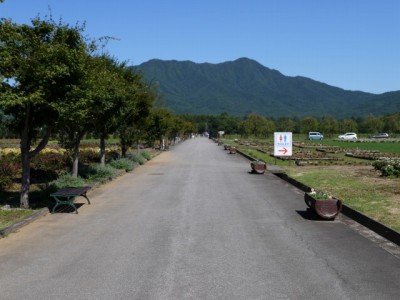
(258, 166)
(323, 204)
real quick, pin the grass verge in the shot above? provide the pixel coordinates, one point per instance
(360, 188)
(8, 217)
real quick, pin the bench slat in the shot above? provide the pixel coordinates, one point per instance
(71, 191)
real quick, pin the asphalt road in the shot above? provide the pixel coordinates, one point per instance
(194, 224)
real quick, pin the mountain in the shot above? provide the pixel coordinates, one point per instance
(243, 86)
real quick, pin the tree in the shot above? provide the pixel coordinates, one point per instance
(329, 125)
(5, 122)
(255, 125)
(308, 124)
(177, 128)
(267, 127)
(123, 101)
(348, 125)
(372, 124)
(392, 123)
(135, 109)
(160, 124)
(286, 125)
(74, 121)
(40, 64)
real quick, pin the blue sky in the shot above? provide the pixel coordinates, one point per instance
(352, 44)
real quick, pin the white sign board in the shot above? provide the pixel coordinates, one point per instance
(283, 144)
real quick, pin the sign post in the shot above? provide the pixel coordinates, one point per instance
(283, 144)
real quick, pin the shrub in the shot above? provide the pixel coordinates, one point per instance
(48, 165)
(11, 157)
(66, 180)
(388, 167)
(137, 158)
(49, 161)
(98, 173)
(7, 173)
(146, 155)
(112, 155)
(88, 156)
(122, 164)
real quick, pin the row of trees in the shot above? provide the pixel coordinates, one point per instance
(260, 126)
(56, 83)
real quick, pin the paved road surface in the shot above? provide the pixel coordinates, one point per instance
(194, 224)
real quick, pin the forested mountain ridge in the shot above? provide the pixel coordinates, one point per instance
(243, 86)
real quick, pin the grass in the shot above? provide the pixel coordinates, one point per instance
(373, 196)
(382, 146)
(8, 217)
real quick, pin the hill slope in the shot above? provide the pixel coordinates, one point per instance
(243, 86)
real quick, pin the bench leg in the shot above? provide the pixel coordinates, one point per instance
(84, 195)
(69, 201)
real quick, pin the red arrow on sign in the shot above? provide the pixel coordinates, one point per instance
(284, 150)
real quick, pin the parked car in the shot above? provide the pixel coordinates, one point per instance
(380, 135)
(314, 135)
(348, 136)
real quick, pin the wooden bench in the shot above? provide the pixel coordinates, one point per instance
(67, 196)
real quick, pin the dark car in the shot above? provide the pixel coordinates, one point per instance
(381, 135)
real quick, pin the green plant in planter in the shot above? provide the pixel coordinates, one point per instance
(320, 195)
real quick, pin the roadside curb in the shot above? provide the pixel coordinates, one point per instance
(23, 222)
(377, 227)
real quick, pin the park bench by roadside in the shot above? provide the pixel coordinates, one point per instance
(66, 196)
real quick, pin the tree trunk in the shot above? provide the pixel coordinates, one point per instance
(75, 161)
(124, 148)
(26, 171)
(25, 160)
(26, 154)
(161, 143)
(103, 149)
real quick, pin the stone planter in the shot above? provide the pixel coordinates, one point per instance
(227, 147)
(258, 167)
(327, 209)
(232, 150)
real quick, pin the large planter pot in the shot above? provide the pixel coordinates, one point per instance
(227, 147)
(232, 150)
(327, 209)
(258, 167)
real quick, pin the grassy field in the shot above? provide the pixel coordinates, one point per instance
(360, 187)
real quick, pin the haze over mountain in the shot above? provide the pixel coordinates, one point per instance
(243, 86)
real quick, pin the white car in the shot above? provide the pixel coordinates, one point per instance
(348, 136)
